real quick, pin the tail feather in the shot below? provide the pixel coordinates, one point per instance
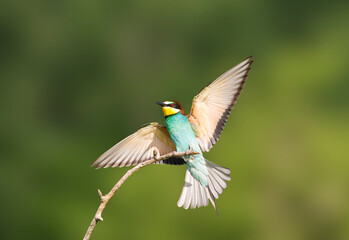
(194, 194)
(218, 183)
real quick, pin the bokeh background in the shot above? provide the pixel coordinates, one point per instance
(77, 76)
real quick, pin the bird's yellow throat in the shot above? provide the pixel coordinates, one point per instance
(168, 111)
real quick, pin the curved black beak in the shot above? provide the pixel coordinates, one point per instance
(161, 103)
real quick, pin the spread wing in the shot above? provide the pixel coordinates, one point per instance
(139, 147)
(211, 107)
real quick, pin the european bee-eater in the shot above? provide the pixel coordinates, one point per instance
(199, 131)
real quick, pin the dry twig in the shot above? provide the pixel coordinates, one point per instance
(108, 196)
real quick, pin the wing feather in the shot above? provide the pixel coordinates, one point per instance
(212, 106)
(139, 147)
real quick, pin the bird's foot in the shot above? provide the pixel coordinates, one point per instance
(190, 149)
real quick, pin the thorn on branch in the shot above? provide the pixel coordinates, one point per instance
(156, 154)
(99, 218)
(100, 194)
(103, 198)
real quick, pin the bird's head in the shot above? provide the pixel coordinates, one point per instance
(170, 108)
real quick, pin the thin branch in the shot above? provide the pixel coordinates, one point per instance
(108, 196)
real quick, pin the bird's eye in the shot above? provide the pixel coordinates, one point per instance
(172, 105)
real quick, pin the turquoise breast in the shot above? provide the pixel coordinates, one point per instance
(181, 133)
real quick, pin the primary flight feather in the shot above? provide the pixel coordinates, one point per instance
(199, 131)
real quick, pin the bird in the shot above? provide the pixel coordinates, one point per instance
(197, 131)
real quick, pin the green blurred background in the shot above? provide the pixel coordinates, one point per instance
(78, 76)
